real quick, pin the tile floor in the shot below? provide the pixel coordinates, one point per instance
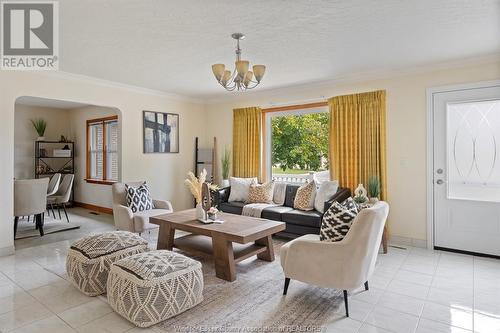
(412, 290)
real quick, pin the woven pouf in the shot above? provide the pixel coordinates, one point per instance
(89, 258)
(149, 287)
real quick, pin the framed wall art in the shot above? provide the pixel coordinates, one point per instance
(161, 132)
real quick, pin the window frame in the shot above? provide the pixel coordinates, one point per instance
(88, 178)
(279, 111)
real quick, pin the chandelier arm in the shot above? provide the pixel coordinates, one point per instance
(250, 86)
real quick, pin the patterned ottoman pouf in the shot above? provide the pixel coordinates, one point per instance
(89, 258)
(150, 287)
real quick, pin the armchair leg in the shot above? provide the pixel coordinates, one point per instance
(59, 211)
(287, 283)
(39, 222)
(346, 304)
(366, 285)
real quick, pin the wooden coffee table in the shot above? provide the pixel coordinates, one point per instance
(238, 238)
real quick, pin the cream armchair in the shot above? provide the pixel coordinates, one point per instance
(138, 222)
(343, 265)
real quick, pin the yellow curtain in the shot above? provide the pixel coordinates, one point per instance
(247, 132)
(357, 139)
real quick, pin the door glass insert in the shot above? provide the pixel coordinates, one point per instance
(473, 140)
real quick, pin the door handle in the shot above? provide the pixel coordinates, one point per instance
(439, 181)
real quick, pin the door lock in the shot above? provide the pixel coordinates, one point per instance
(439, 181)
(439, 171)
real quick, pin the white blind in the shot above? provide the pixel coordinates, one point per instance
(112, 150)
(96, 151)
(100, 149)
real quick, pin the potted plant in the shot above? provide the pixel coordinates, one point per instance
(374, 189)
(40, 125)
(226, 164)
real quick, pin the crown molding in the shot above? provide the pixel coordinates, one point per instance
(124, 86)
(360, 77)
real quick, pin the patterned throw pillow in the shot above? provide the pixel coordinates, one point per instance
(304, 199)
(337, 220)
(139, 198)
(261, 193)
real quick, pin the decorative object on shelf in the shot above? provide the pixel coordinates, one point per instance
(63, 139)
(195, 185)
(65, 152)
(373, 189)
(160, 132)
(241, 77)
(40, 125)
(43, 152)
(360, 194)
(226, 164)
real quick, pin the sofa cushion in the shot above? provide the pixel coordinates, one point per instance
(291, 191)
(294, 229)
(235, 207)
(274, 213)
(141, 219)
(310, 218)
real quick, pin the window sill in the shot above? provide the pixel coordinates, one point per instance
(100, 181)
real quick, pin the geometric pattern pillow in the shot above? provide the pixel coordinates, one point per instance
(151, 287)
(261, 193)
(337, 220)
(139, 198)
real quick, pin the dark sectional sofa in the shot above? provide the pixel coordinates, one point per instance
(298, 222)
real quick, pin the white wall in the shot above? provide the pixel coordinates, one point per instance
(406, 130)
(165, 172)
(94, 194)
(25, 135)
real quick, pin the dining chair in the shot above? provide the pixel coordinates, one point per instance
(62, 196)
(53, 187)
(30, 198)
(54, 184)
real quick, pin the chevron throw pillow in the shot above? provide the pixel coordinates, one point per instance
(139, 198)
(337, 220)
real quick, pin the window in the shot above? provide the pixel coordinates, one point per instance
(102, 150)
(296, 142)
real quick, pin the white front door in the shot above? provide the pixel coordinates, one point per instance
(466, 169)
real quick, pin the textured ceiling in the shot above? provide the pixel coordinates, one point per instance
(170, 45)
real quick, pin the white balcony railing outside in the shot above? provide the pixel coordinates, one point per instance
(301, 178)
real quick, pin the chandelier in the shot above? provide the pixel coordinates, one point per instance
(241, 78)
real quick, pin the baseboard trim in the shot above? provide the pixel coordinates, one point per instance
(7, 251)
(407, 241)
(477, 254)
(96, 208)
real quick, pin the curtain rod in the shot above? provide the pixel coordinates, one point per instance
(295, 107)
